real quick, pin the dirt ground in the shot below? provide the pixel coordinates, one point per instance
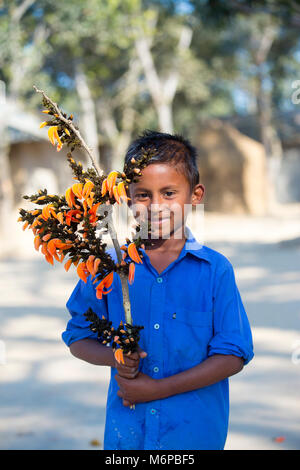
(50, 400)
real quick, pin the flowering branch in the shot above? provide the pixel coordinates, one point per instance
(65, 227)
(49, 103)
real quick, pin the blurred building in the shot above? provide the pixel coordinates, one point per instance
(232, 168)
(287, 125)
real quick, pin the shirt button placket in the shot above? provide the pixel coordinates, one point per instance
(156, 340)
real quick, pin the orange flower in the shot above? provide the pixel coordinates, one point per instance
(47, 237)
(87, 189)
(73, 215)
(119, 356)
(70, 197)
(90, 264)
(46, 211)
(37, 242)
(111, 179)
(96, 264)
(122, 191)
(52, 246)
(131, 273)
(104, 187)
(53, 135)
(49, 258)
(60, 217)
(133, 253)
(105, 283)
(116, 194)
(43, 124)
(77, 190)
(68, 264)
(82, 271)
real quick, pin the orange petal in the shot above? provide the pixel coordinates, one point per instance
(52, 246)
(49, 258)
(87, 189)
(111, 179)
(107, 281)
(47, 237)
(70, 198)
(68, 264)
(25, 225)
(133, 253)
(82, 271)
(51, 132)
(122, 191)
(116, 194)
(119, 356)
(131, 273)
(90, 264)
(104, 187)
(37, 242)
(55, 133)
(99, 291)
(52, 212)
(45, 212)
(43, 124)
(77, 190)
(60, 217)
(96, 264)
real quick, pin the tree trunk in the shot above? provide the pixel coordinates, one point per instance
(6, 186)
(88, 116)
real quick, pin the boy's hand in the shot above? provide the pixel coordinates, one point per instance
(130, 369)
(140, 390)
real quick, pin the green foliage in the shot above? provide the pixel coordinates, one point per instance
(50, 40)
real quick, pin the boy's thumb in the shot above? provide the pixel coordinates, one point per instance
(141, 353)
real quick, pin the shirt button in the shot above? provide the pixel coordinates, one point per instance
(159, 280)
(155, 369)
(156, 326)
(153, 411)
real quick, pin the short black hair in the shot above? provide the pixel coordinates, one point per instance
(168, 148)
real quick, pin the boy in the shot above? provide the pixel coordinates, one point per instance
(196, 333)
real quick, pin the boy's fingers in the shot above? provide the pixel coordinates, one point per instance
(142, 353)
(127, 373)
(126, 402)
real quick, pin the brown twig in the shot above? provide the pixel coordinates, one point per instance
(73, 128)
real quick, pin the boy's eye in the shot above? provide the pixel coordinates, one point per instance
(144, 195)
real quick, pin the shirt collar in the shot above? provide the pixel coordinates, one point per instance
(195, 248)
(191, 246)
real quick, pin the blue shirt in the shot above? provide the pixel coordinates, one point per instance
(190, 311)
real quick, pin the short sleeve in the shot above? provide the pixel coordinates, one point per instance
(83, 297)
(232, 332)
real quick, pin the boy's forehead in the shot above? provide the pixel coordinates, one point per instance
(158, 174)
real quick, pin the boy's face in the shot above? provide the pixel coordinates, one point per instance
(160, 197)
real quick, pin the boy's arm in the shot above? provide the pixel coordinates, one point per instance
(214, 369)
(90, 350)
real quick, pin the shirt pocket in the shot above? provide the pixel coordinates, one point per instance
(192, 317)
(187, 334)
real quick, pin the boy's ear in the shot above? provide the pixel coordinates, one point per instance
(198, 194)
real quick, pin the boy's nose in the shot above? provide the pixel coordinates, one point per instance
(158, 209)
